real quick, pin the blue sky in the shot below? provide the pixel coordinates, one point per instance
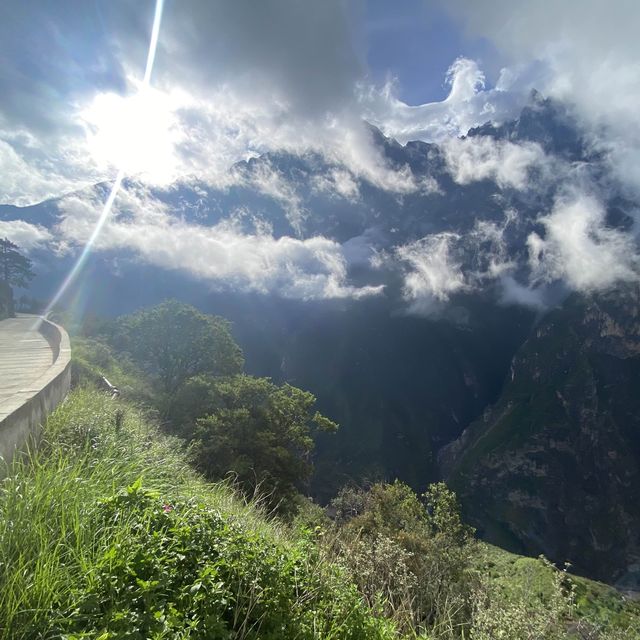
(416, 42)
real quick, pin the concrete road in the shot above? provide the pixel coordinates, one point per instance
(25, 355)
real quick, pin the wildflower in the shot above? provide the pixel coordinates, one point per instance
(167, 508)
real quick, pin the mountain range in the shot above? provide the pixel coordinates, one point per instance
(469, 310)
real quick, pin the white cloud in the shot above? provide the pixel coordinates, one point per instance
(338, 182)
(579, 249)
(27, 236)
(514, 293)
(588, 56)
(268, 180)
(488, 249)
(493, 261)
(467, 105)
(482, 157)
(432, 275)
(314, 268)
(225, 89)
(29, 174)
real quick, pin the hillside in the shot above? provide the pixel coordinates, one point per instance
(108, 533)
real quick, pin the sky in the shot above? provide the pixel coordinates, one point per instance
(232, 80)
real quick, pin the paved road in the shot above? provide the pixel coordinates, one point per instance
(24, 355)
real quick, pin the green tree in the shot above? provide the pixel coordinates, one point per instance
(15, 269)
(254, 429)
(173, 342)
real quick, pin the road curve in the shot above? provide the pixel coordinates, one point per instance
(35, 376)
(25, 354)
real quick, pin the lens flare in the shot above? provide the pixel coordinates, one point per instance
(108, 205)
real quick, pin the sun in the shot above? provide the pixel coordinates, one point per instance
(136, 133)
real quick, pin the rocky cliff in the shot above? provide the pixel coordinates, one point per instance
(554, 466)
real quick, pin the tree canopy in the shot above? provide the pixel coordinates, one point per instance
(235, 424)
(259, 431)
(15, 269)
(173, 342)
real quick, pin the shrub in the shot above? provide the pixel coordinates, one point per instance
(254, 429)
(413, 556)
(523, 613)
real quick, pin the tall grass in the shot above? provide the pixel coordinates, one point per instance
(107, 503)
(50, 536)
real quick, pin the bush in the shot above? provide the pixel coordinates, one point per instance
(259, 432)
(186, 569)
(412, 556)
(523, 613)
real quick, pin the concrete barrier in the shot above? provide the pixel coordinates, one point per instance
(22, 415)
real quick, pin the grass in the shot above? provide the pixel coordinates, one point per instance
(106, 532)
(92, 359)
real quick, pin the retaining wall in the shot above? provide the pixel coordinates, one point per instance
(22, 415)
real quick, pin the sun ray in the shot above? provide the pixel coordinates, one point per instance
(108, 205)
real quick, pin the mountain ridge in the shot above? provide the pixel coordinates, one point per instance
(414, 305)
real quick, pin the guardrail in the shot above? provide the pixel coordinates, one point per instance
(22, 415)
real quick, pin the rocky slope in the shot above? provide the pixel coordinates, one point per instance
(553, 467)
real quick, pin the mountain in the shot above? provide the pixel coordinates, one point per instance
(554, 465)
(425, 305)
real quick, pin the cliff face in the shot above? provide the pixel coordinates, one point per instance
(554, 466)
(6, 301)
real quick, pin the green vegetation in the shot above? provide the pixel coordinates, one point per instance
(173, 342)
(6, 301)
(108, 531)
(92, 359)
(553, 464)
(15, 269)
(416, 552)
(260, 432)
(187, 367)
(596, 606)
